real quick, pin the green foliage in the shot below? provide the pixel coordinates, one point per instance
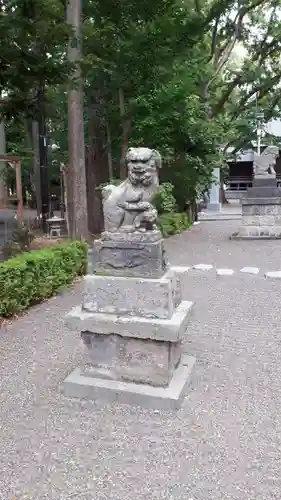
(173, 223)
(240, 86)
(164, 201)
(32, 277)
(184, 92)
(34, 37)
(159, 62)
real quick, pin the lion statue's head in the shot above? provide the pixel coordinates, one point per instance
(143, 164)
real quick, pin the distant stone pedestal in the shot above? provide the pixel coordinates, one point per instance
(132, 321)
(261, 207)
(261, 210)
(214, 204)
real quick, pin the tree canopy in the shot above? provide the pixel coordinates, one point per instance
(159, 73)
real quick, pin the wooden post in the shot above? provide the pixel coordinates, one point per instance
(16, 161)
(19, 192)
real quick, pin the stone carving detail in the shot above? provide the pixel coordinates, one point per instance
(128, 207)
(264, 163)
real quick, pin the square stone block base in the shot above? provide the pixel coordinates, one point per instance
(134, 296)
(133, 254)
(131, 349)
(169, 398)
(148, 297)
(132, 329)
(127, 359)
(261, 218)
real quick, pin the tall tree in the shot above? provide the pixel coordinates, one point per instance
(159, 73)
(237, 89)
(34, 36)
(76, 175)
(3, 192)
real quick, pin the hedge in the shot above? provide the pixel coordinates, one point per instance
(32, 277)
(173, 223)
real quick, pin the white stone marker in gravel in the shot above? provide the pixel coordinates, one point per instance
(250, 270)
(273, 274)
(181, 269)
(203, 267)
(225, 272)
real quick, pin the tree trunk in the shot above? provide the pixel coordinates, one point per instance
(77, 192)
(109, 152)
(43, 160)
(65, 195)
(97, 164)
(33, 144)
(3, 190)
(94, 195)
(126, 129)
(222, 194)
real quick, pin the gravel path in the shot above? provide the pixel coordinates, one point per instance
(209, 242)
(225, 442)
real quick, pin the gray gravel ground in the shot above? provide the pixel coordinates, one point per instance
(225, 442)
(209, 243)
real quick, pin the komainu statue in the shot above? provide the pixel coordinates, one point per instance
(264, 163)
(128, 206)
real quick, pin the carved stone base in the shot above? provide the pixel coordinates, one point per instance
(129, 254)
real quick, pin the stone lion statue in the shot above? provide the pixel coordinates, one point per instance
(128, 206)
(264, 163)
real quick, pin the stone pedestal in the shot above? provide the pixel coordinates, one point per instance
(129, 254)
(214, 204)
(132, 321)
(261, 210)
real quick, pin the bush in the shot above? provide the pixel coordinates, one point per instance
(173, 223)
(164, 201)
(32, 277)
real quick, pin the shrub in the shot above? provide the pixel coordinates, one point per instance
(173, 223)
(164, 201)
(32, 277)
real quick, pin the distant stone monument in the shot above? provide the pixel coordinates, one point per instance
(214, 204)
(132, 318)
(261, 207)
